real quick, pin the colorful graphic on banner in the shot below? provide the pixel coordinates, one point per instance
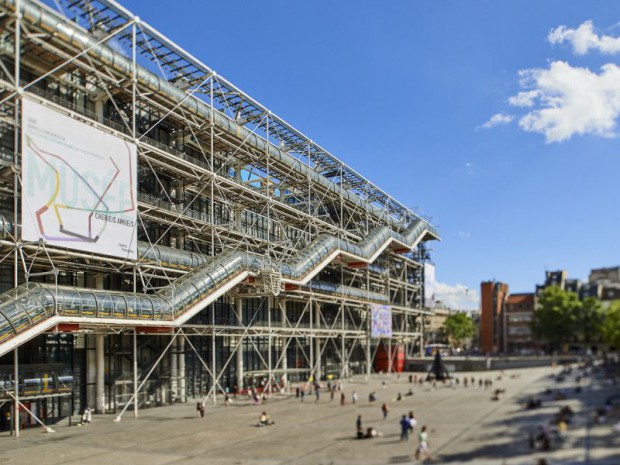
(429, 285)
(381, 321)
(78, 184)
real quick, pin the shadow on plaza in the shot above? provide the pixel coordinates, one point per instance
(400, 459)
(607, 441)
(523, 422)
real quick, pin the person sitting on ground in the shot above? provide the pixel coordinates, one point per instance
(372, 397)
(543, 438)
(561, 431)
(264, 420)
(399, 397)
(559, 395)
(532, 403)
(409, 392)
(371, 433)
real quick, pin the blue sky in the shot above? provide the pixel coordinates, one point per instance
(405, 92)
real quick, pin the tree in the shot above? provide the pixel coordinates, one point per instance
(459, 327)
(610, 328)
(589, 319)
(556, 319)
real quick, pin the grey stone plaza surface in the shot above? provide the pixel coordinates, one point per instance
(465, 426)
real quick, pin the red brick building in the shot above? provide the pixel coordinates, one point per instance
(493, 335)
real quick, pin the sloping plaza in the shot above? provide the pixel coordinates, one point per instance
(464, 424)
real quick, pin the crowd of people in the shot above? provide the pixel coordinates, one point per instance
(552, 434)
(408, 423)
(544, 437)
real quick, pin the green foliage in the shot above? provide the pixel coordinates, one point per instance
(458, 327)
(589, 318)
(610, 328)
(562, 318)
(556, 319)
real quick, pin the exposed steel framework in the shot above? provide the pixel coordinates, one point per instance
(258, 248)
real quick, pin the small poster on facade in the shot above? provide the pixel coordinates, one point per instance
(381, 321)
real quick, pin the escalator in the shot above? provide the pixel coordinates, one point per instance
(32, 308)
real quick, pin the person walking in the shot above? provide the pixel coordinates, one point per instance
(342, 399)
(412, 421)
(423, 445)
(404, 428)
(200, 408)
(317, 392)
(87, 415)
(302, 394)
(385, 409)
(354, 397)
(358, 427)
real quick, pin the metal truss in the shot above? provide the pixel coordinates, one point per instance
(217, 171)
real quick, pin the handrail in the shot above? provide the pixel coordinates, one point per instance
(24, 308)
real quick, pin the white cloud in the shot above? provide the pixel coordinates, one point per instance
(469, 168)
(571, 101)
(464, 235)
(584, 38)
(458, 297)
(524, 99)
(496, 120)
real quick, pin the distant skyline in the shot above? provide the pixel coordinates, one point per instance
(496, 119)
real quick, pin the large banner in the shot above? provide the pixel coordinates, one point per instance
(381, 321)
(78, 184)
(429, 285)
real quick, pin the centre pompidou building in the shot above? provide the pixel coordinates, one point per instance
(164, 236)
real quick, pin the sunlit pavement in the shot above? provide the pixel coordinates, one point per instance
(465, 426)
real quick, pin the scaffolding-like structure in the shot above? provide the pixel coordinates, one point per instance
(260, 254)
